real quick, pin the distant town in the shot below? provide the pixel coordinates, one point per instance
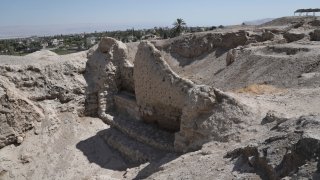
(66, 44)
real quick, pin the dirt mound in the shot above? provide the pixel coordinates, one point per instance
(26, 85)
(192, 46)
(42, 54)
(260, 65)
(286, 21)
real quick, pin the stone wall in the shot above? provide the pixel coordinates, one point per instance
(108, 71)
(126, 105)
(199, 113)
(192, 46)
(160, 92)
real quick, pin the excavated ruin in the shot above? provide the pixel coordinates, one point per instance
(293, 151)
(239, 103)
(149, 93)
(26, 83)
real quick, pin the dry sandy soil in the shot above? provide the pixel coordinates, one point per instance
(52, 127)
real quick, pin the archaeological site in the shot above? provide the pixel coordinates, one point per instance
(240, 102)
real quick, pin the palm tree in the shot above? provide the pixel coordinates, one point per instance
(179, 24)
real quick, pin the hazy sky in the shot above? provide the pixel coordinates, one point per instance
(115, 14)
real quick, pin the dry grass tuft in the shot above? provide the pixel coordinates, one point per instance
(259, 89)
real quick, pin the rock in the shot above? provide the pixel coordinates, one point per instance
(285, 151)
(102, 177)
(24, 159)
(267, 36)
(297, 25)
(273, 116)
(255, 37)
(311, 75)
(19, 139)
(231, 56)
(233, 40)
(2, 172)
(315, 35)
(293, 36)
(314, 23)
(37, 131)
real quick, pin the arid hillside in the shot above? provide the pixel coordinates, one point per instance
(241, 102)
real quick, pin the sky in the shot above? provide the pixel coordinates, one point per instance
(54, 16)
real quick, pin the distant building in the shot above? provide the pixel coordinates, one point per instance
(91, 41)
(56, 42)
(61, 41)
(34, 39)
(131, 38)
(44, 45)
(150, 37)
(82, 35)
(197, 29)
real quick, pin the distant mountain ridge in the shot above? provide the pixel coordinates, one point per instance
(258, 21)
(21, 31)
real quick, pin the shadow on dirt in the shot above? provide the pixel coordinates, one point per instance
(155, 166)
(99, 152)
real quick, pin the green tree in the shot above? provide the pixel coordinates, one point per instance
(179, 25)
